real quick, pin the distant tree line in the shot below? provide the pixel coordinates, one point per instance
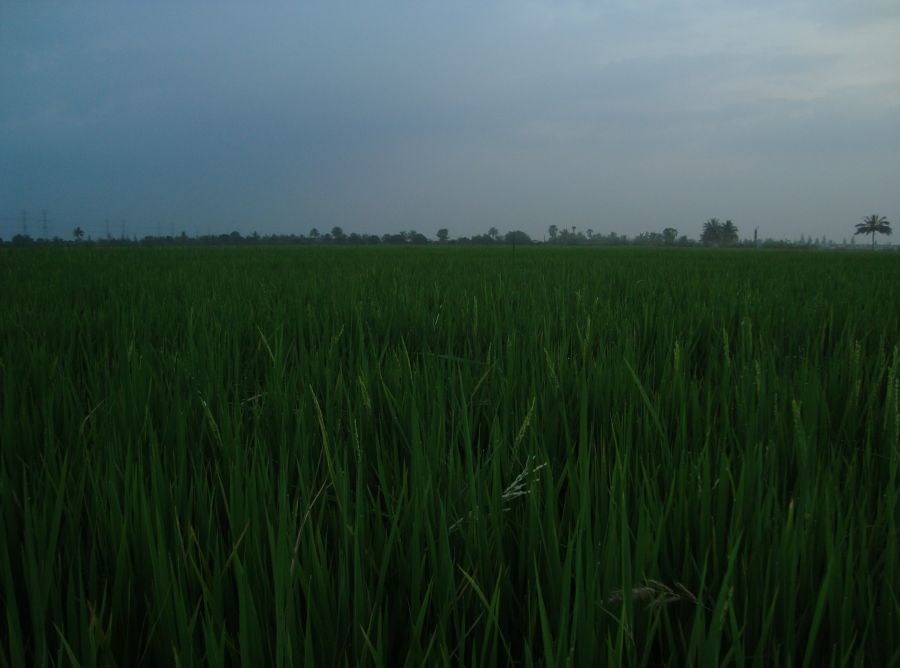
(714, 233)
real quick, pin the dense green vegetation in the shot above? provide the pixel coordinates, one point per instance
(430, 456)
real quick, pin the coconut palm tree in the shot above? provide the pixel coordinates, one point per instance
(712, 231)
(729, 232)
(871, 225)
(717, 233)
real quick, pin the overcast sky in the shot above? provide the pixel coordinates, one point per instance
(616, 116)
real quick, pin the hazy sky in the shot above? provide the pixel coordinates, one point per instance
(384, 116)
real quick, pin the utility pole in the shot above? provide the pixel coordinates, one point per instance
(158, 233)
(24, 222)
(123, 228)
(108, 235)
(44, 234)
(755, 236)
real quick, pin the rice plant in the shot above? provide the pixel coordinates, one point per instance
(444, 456)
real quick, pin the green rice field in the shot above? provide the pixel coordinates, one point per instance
(449, 456)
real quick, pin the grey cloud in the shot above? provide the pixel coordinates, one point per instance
(422, 116)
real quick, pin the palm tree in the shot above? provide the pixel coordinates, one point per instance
(871, 225)
(712, 231)
(729, 232)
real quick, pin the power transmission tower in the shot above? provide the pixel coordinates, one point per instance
(44, 234)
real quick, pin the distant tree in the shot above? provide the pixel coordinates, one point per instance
(729, 233)
(314, 233)
(493, 233)
(337, 233)
(396, 238)
(443, 234)
(670, 234)
(78, 233)
(553, 231)
(712, 232)
(717, 233)
(589, 233)
(873, 225)
(517, 238)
